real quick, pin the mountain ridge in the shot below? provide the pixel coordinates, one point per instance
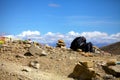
(113, 48)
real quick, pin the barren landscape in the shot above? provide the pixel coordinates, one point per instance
(32, 61)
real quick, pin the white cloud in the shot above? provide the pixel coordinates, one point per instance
(29, 33)
(94, 34)
(53, 5)
(49, 34)
(95, 37)
(72, 33)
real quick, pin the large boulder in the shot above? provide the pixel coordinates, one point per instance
(80, 43)
(83, 71)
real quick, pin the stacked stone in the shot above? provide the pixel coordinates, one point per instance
(61, 43)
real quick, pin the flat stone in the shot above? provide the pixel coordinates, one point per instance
(60, 41)
(35, 50)
(113, 70)
(106, 77)
(43, 53)
(20, 56)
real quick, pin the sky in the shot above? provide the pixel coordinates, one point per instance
(49, 20)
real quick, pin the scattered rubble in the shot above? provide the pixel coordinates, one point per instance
(62, 60)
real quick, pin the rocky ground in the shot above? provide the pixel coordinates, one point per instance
(21, 60)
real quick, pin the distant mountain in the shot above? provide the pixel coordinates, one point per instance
(100, 44)
(112, 48)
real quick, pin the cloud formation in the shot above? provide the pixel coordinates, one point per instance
(29, 33)
(53, 5)
(96, 37)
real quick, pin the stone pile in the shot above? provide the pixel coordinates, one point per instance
(61, 43)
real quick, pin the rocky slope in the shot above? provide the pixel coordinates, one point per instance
(112, 48)
(21, 60)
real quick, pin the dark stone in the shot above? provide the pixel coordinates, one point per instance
(80, 43)
(88, 47)
(28, 54)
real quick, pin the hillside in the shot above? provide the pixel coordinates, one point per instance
(112, 48)
(52, 63)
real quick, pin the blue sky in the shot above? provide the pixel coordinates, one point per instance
(60, 16)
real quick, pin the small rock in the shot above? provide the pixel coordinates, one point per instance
(60, 41)
(27, 46)
(79, 50)
(96, 49)
(34, 64)
(59, 59)
(43, 53)
(111, 62)
(106, 77)
(20, 56)
(26, 69)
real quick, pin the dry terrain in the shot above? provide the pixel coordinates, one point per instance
(55, 64)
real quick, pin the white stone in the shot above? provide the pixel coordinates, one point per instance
(35, 64)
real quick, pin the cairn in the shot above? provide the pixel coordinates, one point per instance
(61, 44)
